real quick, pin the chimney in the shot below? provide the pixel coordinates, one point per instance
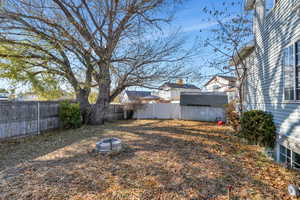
(180, 82)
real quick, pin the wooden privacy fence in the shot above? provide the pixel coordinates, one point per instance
(27, 118)
(32, 117)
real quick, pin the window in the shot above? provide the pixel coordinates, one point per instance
(296, 159)
(282, 154)
(291, 71)
(290, 158)
(297, 63)
(288, 70)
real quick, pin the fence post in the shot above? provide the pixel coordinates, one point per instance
(38, 117)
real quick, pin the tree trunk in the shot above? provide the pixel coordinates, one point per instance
(99, 110)
(241, 109)
(83, 98)
(241, 95)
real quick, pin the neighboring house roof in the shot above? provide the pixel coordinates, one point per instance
(134, 95)
(229, 78)
(203, 100)
(177, 85)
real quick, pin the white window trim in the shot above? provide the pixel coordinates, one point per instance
(294, 68)
(291, 157)
(295, 71)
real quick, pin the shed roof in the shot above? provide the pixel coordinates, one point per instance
(203, 100)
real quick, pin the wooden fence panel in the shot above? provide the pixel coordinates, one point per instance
(32, 117)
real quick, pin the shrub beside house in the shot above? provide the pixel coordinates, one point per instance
(258, 128)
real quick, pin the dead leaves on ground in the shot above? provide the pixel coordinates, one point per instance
(163, 159)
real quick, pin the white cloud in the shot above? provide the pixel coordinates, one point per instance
(198, 27)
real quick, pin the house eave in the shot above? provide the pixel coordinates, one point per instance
(249, 4)
(210, 80)
(243, 53)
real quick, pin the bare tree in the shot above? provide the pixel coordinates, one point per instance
(231, 33)
(109, 44)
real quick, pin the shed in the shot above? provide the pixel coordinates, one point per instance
(203, 100)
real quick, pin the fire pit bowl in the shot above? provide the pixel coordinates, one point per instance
(108, 145)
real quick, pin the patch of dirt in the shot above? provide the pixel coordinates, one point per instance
(163, 159)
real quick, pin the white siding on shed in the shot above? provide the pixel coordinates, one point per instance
(176, 111)
(158, 111)
(201, 113)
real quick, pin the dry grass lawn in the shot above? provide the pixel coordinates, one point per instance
(163, 159)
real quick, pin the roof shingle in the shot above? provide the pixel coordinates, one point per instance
(176, 85)
(133, 95)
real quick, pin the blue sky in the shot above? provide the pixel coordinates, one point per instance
(191, 19)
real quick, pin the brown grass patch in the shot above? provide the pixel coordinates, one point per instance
(163, 159)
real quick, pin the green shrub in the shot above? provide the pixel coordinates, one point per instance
(69, 114)
(233, 118)
(258, 128)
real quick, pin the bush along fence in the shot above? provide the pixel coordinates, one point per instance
(69, 115)
(33, 117)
